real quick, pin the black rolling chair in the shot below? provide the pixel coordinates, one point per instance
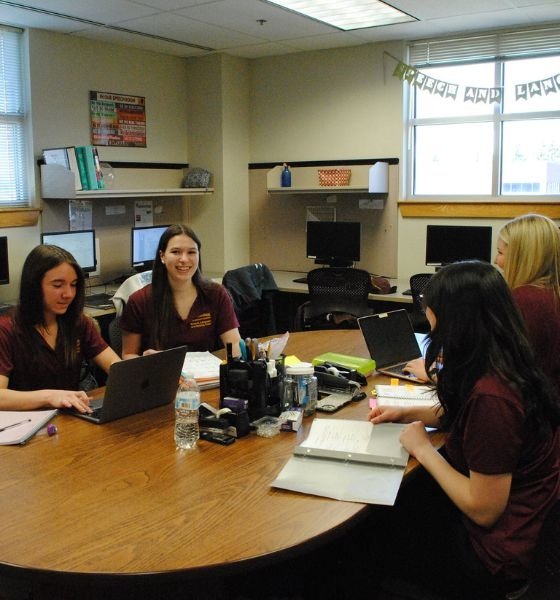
(253, 289)
(337, 296)
(544, 582)
(417, 316)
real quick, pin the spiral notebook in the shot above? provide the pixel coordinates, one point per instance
(16, 427)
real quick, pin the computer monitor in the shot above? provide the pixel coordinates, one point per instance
(4, 263)
(81, 244)
(144, 243)
(447, 244)
(333, 243)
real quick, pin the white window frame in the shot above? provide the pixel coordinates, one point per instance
(15, 172)
(498, 48)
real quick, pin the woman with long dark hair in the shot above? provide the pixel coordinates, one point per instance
(46, 338)
(499, 473)
(180, 306)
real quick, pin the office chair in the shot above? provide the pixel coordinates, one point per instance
(253, 290)
(115, 335)
(417, 316)
(88, 372)
(337, 296)
(544, 581)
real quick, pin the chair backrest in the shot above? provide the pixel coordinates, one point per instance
(115, 335)
(417, 317)
(129, 286)
(544, 582)
(252, 289)
(417, 284)
(338, 289)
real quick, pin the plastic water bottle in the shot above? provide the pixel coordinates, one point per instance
(187, 403)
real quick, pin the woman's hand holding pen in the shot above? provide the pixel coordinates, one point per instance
(68, 399)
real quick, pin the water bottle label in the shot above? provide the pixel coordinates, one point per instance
(187, 401)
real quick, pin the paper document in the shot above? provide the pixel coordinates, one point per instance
(347, 460)
(16, 427)
(205, 368)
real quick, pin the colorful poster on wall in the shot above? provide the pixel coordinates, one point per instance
(117, 119)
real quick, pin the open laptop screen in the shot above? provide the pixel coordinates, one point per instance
(390, 338)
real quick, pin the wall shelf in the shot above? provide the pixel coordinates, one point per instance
(365, 179)
(57, 182)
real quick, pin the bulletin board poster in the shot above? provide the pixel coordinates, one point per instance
(117, 119)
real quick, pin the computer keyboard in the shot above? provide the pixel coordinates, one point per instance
(98, 300)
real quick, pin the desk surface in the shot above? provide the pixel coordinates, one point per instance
(118, 499)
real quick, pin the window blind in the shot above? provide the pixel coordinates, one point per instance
(486, 46)
(13, 169)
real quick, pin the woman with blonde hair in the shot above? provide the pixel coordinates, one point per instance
(528, 252)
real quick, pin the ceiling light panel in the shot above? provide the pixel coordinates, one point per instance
(347, 14)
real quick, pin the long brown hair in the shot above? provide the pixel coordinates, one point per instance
(30, 309)
(162, 305)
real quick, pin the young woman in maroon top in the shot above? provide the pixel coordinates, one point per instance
(528, 252)
(180, 306)
(45, 339)
(469, 524)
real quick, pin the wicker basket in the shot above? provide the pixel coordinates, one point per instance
(334, 177)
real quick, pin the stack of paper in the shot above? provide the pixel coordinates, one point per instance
(205, 367)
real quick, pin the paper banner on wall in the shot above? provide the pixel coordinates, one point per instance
(475, 94)
(143, 213)
(80, 215)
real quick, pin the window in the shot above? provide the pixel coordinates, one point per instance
(13, 163)
(480, 148)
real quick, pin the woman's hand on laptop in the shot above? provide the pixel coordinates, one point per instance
(68, 399)
(417, 367)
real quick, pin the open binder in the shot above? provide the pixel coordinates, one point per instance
(347, 460)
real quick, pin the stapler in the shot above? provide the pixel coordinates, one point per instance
(339, 370)
(328, 383)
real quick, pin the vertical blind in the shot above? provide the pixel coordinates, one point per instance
(13, 168)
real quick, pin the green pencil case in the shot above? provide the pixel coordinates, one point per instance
(364, 366)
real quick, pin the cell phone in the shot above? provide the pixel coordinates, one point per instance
(217, 438)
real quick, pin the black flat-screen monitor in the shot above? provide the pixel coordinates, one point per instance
(4, 263)
(334, 243)
(144, 243)
(447, 244)
(80, 244)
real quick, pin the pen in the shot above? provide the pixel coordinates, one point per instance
(15, 424)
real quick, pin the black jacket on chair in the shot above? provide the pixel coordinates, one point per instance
(252, 290)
